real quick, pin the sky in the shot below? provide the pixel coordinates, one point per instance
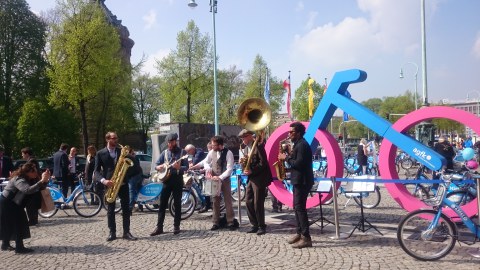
(321, 37)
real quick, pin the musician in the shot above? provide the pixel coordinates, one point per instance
(105, 162)
(219, 164)
(259, 178)
(171, 159)
(300, 162)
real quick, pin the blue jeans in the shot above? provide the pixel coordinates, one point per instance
(134, 186)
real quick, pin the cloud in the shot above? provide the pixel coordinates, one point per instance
(312, 15)
(476, 47)
(150, 18)
(150, 64)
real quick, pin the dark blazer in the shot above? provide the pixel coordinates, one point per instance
(60, 164)
(7, 166)
(260, 169)
(199, 156)
(89, 167)
(105, 165)
(300, 161)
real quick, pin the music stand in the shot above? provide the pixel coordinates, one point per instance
(358, 189)
(324, 186)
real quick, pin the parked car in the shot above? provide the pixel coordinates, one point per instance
(145, 162)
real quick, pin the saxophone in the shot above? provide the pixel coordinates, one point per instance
(279, 164)
(121, 168)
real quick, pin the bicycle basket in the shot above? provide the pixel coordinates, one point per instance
(437, 200)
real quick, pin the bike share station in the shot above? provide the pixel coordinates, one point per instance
(317, 133)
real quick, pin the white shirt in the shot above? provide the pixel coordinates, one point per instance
(207, 163)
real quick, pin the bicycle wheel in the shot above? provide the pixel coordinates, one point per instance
(243, 189)
(417, 190)
(118, 207)
(461, 197)
(188, 204)
(87, 204)
(422, 243)
(48, 214)
(370, 200)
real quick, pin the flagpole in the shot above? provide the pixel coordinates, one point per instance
(290, 99)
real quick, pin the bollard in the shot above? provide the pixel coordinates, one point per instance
(335, 207)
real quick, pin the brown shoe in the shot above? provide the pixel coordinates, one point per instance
(157, 231)
(303, 243)
(294, 239)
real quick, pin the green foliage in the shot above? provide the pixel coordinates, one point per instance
(43, 128)
(22, 65)
(300, 101)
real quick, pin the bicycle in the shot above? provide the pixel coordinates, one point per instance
(86, 203)
(429, 234)
(237, 172)
(317, 133)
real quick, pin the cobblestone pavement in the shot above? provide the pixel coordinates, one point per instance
(72, 242)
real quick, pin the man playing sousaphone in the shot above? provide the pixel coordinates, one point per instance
(173, 160)
(259, 178)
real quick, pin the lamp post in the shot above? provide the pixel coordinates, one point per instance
(213, 10)
(424, 55)
(415, 76)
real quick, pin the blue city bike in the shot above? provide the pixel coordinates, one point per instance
(429, 234)
(86, 203)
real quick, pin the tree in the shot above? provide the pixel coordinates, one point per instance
(187, 74)
(85, 60)
(22, 63)
(43, 127)
(145, 92)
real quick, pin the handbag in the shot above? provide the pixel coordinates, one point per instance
(47, 201)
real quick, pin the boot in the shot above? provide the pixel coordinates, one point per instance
(303, 243)
(293, 239)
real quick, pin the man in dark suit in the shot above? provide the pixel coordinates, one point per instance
(300, 163)
(60, 167)
(259, 178)
(105, 162)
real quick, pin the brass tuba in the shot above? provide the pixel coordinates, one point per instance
(123, 163)
(254, 114)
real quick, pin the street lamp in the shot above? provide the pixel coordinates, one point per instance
(213, 10)
(424, 54)
(416, 73)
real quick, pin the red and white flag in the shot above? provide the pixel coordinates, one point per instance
(286, 85)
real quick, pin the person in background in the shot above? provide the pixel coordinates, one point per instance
(6, 164)
(105, 163)
(362, 156)
(300, 163)
(33, 201)
(60, 167)
(444, 148)
(72, 168)
(13, 220)
(197, 156)
(259, 178)
(89, 169)
(172, 160)
(135, 181)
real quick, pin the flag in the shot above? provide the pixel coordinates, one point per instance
(286, 85)
(266, 93)
(310, 97)
(345, 115)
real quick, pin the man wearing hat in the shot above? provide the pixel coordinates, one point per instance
(259, 178)
(6, 164)
(173, 159)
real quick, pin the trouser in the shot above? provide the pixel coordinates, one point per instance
(226, 190)
(276, 204)
(174, 187)
(134, 186)
(300, 193)
(124, 200)
(68, 182)
(255, 201)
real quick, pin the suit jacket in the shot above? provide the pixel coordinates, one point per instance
(300, 161)
(105, 165)
(260, 169)
(7, 166)
(60, 164)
